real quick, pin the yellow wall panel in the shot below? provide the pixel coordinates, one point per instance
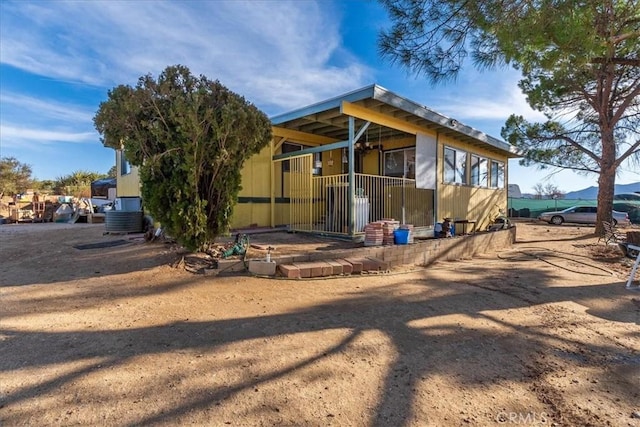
(126, 185)
(251, 214)
(334, 156)
(256, 175)
(399, 143)
(371, 163)
(261, 214)
(241, 215)
(282, 214)
(466, 202)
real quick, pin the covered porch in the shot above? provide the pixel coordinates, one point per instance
(370, 155)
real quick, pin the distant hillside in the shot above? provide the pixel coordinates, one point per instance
(592, 192)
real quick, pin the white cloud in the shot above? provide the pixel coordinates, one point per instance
(38, 109)
(27, 121)
(16, 136)
(278, 54)
(505, 100)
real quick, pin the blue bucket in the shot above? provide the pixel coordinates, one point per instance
(401, 236)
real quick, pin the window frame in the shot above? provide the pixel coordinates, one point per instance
(459, 167)
(475, 171)
(497, 178)
(125, 166)
(408, 162)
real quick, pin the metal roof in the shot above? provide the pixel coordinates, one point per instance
(325, 119)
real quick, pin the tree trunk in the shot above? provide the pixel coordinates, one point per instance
(607, 179)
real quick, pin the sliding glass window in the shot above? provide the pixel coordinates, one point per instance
(455, 166)
(400, 163)
(479, 171)
(497, 174)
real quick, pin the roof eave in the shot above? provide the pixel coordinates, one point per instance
(388, 97)
(356, 95)
(383, 95)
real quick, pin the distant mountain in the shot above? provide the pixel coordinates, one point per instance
(591, 193)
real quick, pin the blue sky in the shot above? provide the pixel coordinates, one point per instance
(58, 60)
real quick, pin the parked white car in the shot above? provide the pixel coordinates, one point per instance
(582, 215)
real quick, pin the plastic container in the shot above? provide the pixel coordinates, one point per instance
(401, 236)
(437, 229)
(128, 204)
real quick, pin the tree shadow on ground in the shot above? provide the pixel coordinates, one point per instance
(410, 312)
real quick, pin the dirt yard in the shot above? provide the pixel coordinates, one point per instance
(541, 334)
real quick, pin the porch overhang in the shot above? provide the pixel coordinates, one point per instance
(391, 116)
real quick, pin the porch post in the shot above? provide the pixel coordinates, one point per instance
(272, 183)
(351, 202)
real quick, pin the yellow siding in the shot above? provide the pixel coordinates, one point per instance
(256, 175)
(256, 183)
(126, 185)
(467, 201)
(256, 186)
(371, 163)
(250, 214)
(399, 143)
(327, 158)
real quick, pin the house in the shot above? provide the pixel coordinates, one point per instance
(370, 154)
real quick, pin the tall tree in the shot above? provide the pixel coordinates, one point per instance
(538, 189)
(44, 186)
(190, 137)
(77, 183)
(15, 177)
(580, 65)
(553, 192)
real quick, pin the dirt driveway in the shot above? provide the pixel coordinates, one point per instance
(541, 334)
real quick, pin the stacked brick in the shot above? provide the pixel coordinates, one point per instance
(389, 226)
(373, 234)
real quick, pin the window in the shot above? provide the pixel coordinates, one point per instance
(289, 148)
(497, 174)
(586, 209)
(400, 163)
(125, 167)
(479, 171)
(317, 163)
(455, 166)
